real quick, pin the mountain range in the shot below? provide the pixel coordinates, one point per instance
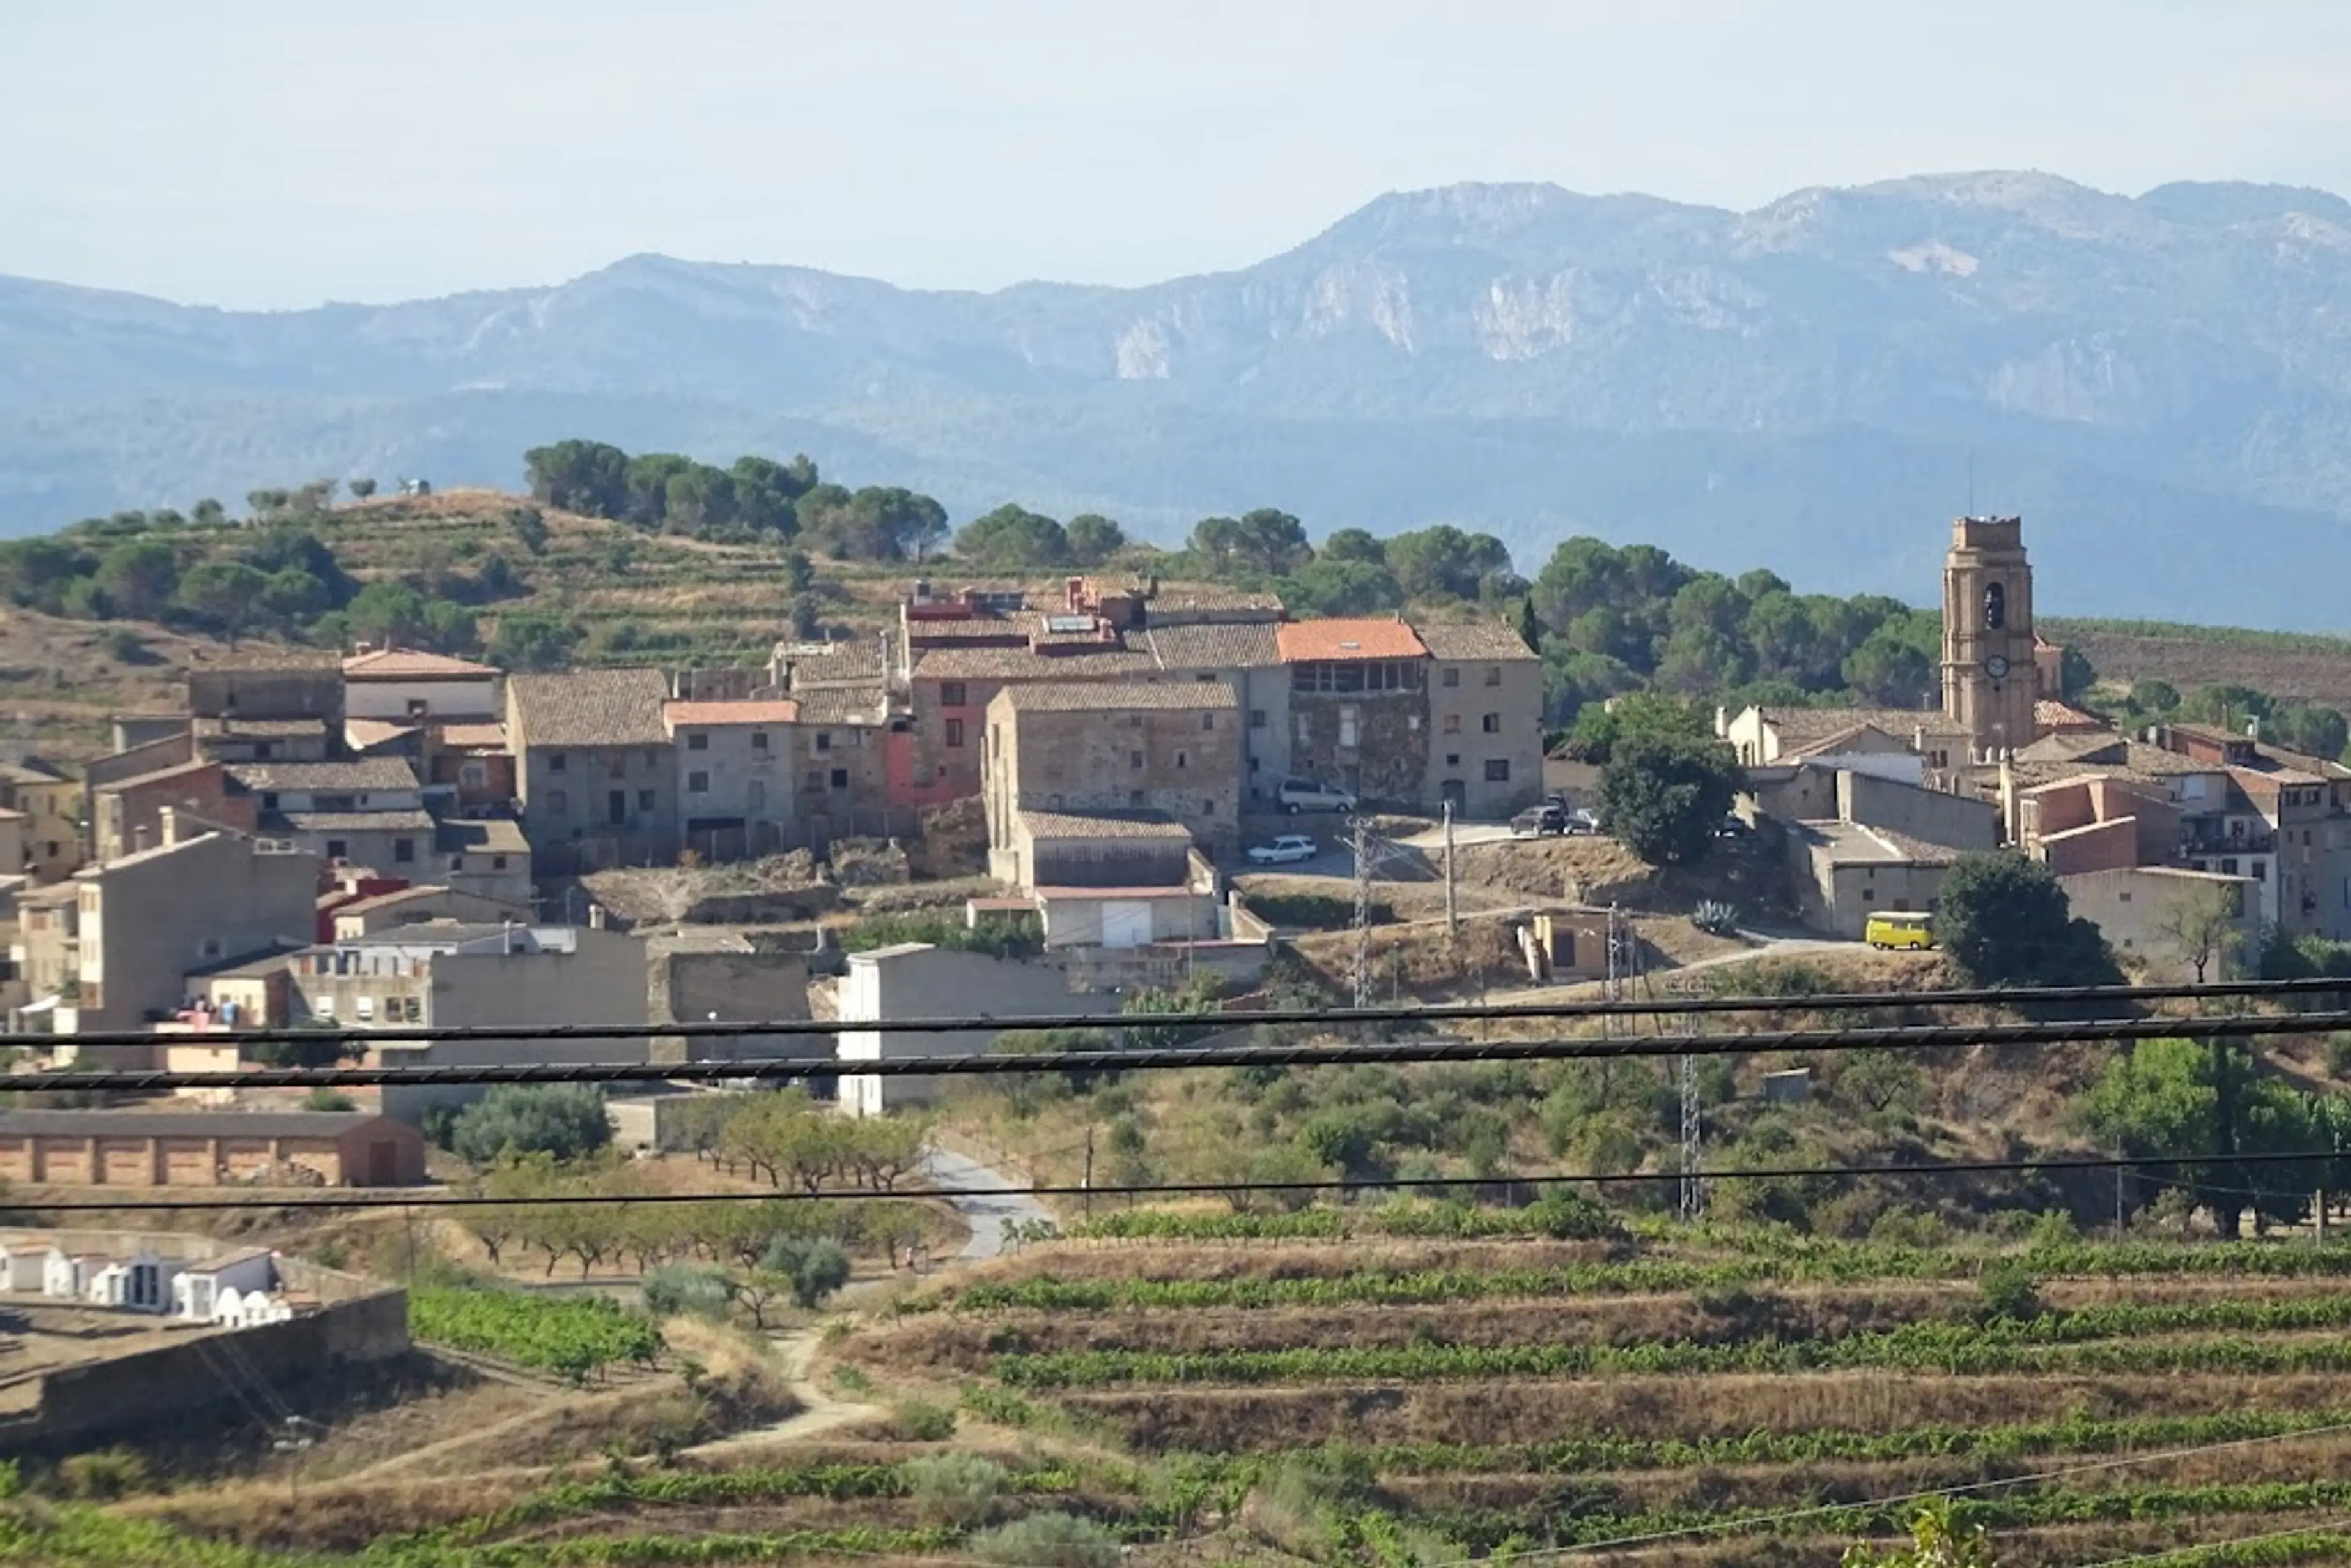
(1815, 386)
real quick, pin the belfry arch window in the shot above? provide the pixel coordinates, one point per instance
(1995, 607)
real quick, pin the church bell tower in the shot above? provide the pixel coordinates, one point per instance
(1989, 681)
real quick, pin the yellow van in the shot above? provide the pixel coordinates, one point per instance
(1900, 930)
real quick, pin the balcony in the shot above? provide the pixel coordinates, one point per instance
(2201, 841)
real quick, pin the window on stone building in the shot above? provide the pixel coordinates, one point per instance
(556, 762)
(758, 740)
(644, 800)
(953, 695)
(1182, 759)
(1493, 674)
(1349, 718)
(955, 732)
(697, 783)
(697, 741)
(841, 778)
(403, 851)
(1452, 724)
(1498, 770)
(1995, 606)
(824, 740)
(1207, 721)
(1452, 675)
(1135, 759)
(1257, 718)
(1493, 724)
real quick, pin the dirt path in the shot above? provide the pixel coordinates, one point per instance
(818, 1412)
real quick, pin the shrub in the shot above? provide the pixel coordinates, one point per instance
(2338, 1055)
(102, 1475)
(2009, 1292)
(682, 1290)
(565, 1120)
(920, 1421)
(1048, 1541)
(956, 1489)
(816, 1265)
(329, 1100)
(1563, 1214)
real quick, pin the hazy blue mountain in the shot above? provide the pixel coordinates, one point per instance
(2162, 384)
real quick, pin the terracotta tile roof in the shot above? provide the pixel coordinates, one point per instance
(1216, 645)
(1020, 664)
(186, 1125)
(1465, 639)
(1074, 825)
(229, 726)
(389, 774)
(161, 774)
(479, 836)
(1366, 637)
(591, 707)
(402, 822)
(1120, 696)
(2055, 715)
(474, 734)
(1051, 894)
(1816, 722)
(411, 665)
(367, 733)
(843, 706)
(1168, 604)
(249, 656)
(678, 715)
(855, 661)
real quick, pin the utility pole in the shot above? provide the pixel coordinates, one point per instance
(1693, 1160)
(1452, 913)
(1362, 841)
(1087, 1182)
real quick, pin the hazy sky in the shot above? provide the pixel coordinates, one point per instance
(286, 151)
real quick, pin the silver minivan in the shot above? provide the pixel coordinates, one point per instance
(1298, 795)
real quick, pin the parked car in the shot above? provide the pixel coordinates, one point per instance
(1283, 850)
(1539, 820)
(1580, 823)
(1305, 794)
(1733, 827)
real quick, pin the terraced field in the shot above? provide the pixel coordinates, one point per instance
(1724, 1399)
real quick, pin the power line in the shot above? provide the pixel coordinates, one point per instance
(396, 1199)
(1437, 1012)
(1148, 1058)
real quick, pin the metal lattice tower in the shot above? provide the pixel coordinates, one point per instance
(1693, 1160)
(1693, 1194)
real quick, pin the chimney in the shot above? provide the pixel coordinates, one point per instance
(922, 590)
(363, 646)
(1075, 589)
(1721, 723)
(512, 937)
(595, 917)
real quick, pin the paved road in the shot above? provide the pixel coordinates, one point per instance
(987, 1215)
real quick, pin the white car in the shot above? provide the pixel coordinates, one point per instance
(1284, 850)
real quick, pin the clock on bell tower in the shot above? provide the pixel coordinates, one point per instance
(1988, 673)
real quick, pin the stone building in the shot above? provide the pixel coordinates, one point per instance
(733, 781)
(1358, 706)
(1172, 748)
(1485, 716)
(596, 776)
(1990, 676)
